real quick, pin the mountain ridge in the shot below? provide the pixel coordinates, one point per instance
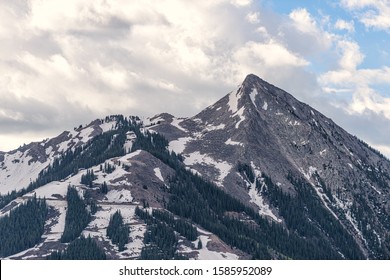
(292, 166)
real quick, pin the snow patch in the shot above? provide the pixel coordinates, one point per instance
(234, 96)
(119, 196)
(176, 123)
(375, 189)
(265, 106)
(211, 127)
(294, 123)
(348, 151)
(231, 142)
(253, 95)
(127, 146)
(58, 228)
(204, 159)
(85, 134)
(256, 198)
(65, 145)
(193, 171)
(52, 189)
(256, 170)
(158, 174)
(206, 254)
(198, 120)
(49, 150)
(107, 126)
(98, 226)
(179, 145)
(240, 113)
(312, 170)
(18, 171)
(305, 142)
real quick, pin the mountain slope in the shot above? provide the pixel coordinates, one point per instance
(257, 174)
(279, 137)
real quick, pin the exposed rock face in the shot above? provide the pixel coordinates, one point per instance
(267, 128)
(256, 140)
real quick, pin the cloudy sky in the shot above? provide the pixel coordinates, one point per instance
(64, 63)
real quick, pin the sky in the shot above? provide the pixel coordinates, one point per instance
(65, 63)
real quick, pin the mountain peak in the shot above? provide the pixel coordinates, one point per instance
(252, 79)
(270, 156)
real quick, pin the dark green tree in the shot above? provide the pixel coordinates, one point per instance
(77, 216)
(117, 231)
(23, 227)
(80, 249)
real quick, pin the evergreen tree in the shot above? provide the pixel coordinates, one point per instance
(80, 249)
(117, 231)
(77, 216)
(200, 246)
(23, 227)
(104, 188)
(87, 179)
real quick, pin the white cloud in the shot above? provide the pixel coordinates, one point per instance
(305, 34)
(304, 21)
(240, 3)
(372, 13)
(112, 75)
(351, 56)
(253, 17)
(345, 25)
(357, 82)
(269, 54)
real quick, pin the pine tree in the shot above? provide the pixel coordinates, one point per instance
(80, 249)
(117, 231)
(104, 188)
(200, 244)
(23, 227)
(77, 216)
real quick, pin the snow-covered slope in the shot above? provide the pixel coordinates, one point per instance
(125, 193)
(22, 166)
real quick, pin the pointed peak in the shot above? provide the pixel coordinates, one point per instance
(252, 80)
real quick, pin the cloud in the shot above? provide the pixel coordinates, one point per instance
(253, 17)
(351, 56)
(269, 54)
(372, 13)
(67, 62)
(303, 20)
(358, 82)
(304, 34)
(241, 2)
(78, 60)
(345, 25)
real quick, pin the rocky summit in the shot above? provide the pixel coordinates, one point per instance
(258, 175)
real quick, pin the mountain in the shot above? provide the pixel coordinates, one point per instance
(258, 174)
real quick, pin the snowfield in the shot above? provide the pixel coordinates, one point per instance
(198, 158)
(18, 170)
